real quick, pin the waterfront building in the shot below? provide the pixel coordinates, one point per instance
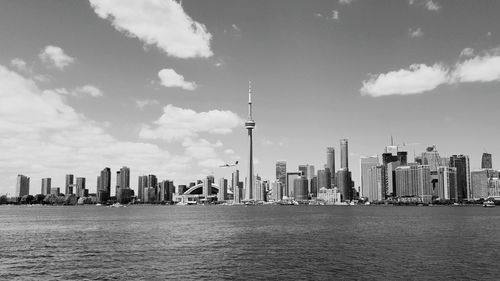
(81, 191)
(235, 183)
(250, 125)
(486, 161)
(447, 183)
(125, 177)
(461, 162)
(300, 188)
(307, 171)
(289, 188)
(68, 186)
(494, 187)
(222, 195)
(22, 186)
(414, 181)
(277, 190)
(480, 183)
(344, 154)
(374, 183)
(260, 189)
(330, 165)
(366, 163)
(118, 182)
(142, 183)
(125, 195)
(207, 186)
(281, 171)
(330, 196)
(46, 185)
(104, 185)
(390, 178)
(424, 187)
(344, 184)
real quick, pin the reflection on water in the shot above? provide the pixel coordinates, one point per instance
(257, 242)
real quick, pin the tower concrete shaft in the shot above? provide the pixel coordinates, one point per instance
(250, 125)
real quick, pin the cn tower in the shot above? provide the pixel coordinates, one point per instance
(250, 125)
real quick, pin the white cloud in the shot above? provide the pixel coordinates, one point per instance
(478, 69)
(334, 15)
(90, 90)
(161, 23)
(488, 34)
(178, 123)
(170, 78)
(417, 79)
(200, 148)
(147, 102)
(345, 2)
(211, 163)
(415, 33)
(467, 52)
(432, 6)
(236, 28)
(20, 65)
(54, 56)
(54, 139)
(229, 151)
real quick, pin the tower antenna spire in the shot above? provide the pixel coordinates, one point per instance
(249, 100)
(250, 125)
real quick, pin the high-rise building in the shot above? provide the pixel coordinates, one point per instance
(289, 188)
(55, 191)
(281, 171)
(125, 177)
(250, 125)
(235, 182)
(68, 187)
(431, 157)
(330, 165)
(344, 184)
(300, 188)
(277, 190)
(81, 191)
(222, 195)
(366, 163)
(344, 154)
(324, 178)
(374, 183)
(259, 190)
(22, 186)
(307, 171)
(104, 185)
(46, 186)
(447, 183)
(494, 187)
(207, 186)
(479, 183)
(486, 161)
(461, 162)
(143, 182)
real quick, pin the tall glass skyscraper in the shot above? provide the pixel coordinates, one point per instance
(281, 172)
(344, 154)
(461, 163)
(486, 161)
(22, 186)
(366, 163)
(68, 187)
(330, 164)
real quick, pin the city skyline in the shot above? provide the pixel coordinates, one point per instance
(83, 87)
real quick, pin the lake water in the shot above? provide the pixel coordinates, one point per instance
(255, 242)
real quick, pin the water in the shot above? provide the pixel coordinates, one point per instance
(257, 242)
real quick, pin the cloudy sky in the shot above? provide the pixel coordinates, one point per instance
(161, 86)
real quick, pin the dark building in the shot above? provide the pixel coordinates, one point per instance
(300, 188)
(281, 171)
(81, 191)
(104, 185)
(461, 163)
(344, 184)
(486, 161)
(68, 187)
(330, 164)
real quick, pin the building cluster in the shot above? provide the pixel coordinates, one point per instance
(429, 178)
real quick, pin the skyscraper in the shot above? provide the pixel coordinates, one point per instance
(290, 177)
(250, 125)
(447, 183)
(479, 183)
(461, 162)
(22, 185)
(366, 163)
(300, 187)
(281, 171)
(125, 177)
(222, 195)
(431, 157)
(277, 190)
(143, 183)
(68, 187)
(324, 178)
(235, 182)
(344, 183)
(486, 161)
(46, 186)
(344, 154)
(80, 187)
(104, 185)
(330, 164)
(374, 183)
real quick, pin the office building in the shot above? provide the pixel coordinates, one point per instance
(344, 184)
(331, 196)
(104, 185)
(480, 183)
(494, 187)
(68, 186)
(142, 183)
(447, 183)
(324, 178)
(344, 155)
(300, 188)
(289, 188)
(81, 191)
(277, 190)
(55, 191)
(486, 161)
(366, 163)
(22, 186)
(431, 158)
(461, 162)
(373, 188)
(281, 171)
(222, 194)
(330, 165)
(235, 183)
(46, 185)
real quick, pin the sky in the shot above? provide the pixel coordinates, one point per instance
(161, 86)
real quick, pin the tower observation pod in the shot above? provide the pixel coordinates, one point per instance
(250, 125)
